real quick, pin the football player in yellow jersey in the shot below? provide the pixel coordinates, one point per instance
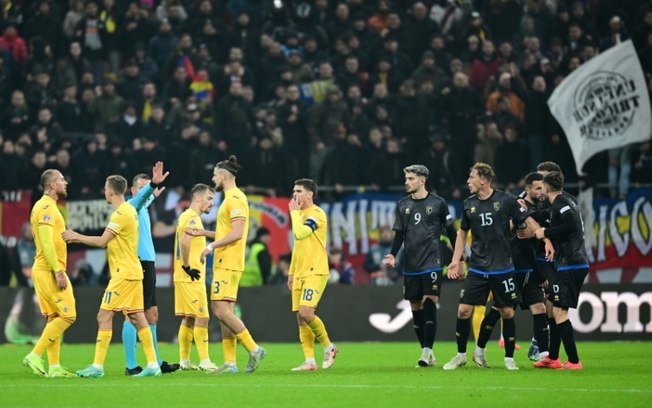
(53, 288)
(228, 264)
(309, 272)
(190, 301)
(125, 290)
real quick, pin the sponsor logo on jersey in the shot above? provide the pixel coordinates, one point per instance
(472, 210)
(407, 211)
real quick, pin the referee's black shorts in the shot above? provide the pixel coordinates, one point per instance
(149, 284)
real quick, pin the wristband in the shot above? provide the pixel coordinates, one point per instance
(209, 247)
(153, 185)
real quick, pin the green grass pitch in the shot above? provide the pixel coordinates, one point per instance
(365, 375)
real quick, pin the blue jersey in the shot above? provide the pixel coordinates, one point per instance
(141, 202)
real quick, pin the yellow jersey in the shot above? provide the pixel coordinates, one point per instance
(122, 250)
(235, 206)
(189, 219)
(309, 255)
(45, 212)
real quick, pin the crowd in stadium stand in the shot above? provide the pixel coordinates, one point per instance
(347, 92)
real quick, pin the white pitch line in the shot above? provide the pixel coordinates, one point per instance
(140, 383)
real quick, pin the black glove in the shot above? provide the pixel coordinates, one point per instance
(193, 273)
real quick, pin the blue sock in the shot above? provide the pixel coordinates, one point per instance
(155, 341)
(129, 340)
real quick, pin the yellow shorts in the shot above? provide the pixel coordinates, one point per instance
(124, 296)
(52, 301)
(190, 299)
(225, 284)
(307, 291)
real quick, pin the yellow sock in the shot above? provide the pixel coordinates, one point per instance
(54, 352)
(307, 338)
(247, 341)
(478, 316)
(51, 333)
(146, 339)
(318, 328)
(102, 346)
(185, 340)
(228, 349)
(201, 342)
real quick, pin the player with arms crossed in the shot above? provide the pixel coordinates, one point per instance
(125, 290)
(53, 289)
(142, 197)
(309, 272)
(567, 233)
(487, 213)
(190, 300)
(228, 264)
(419, 222)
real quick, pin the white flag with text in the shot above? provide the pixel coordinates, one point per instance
(603, 104)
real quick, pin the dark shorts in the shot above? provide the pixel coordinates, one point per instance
(149, 284)
(565, 287)
(477, 287)
(547, 272)
(415, 287)
(529, 289)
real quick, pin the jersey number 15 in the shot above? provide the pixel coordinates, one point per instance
(486, 219)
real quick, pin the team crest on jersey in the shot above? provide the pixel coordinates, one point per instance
(407, 211)
(428, 210)
(496, 206)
